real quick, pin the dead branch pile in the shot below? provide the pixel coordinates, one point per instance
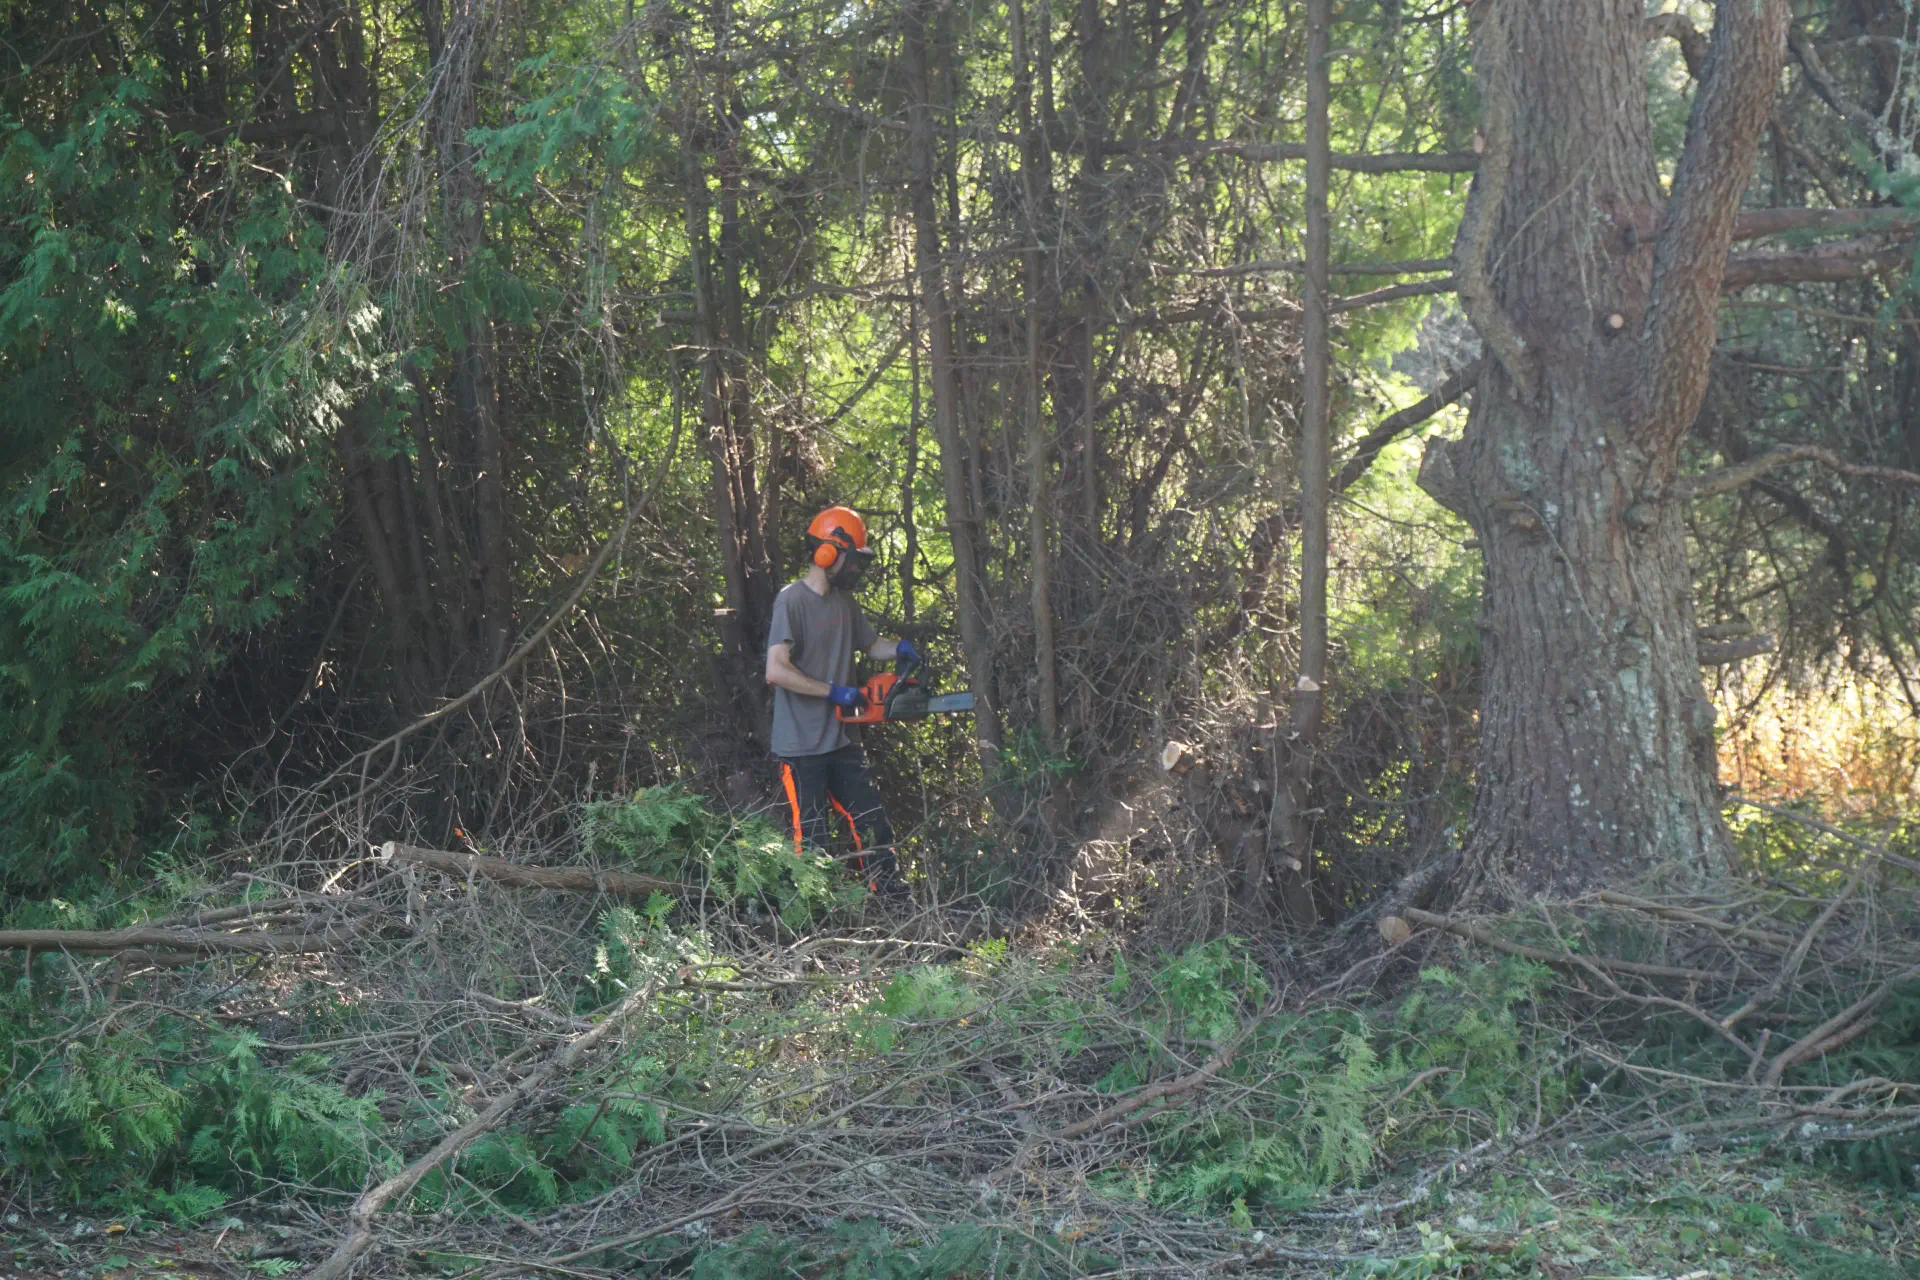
(1774, 982)
(803, 1081)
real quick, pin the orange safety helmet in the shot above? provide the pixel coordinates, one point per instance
(834, 533)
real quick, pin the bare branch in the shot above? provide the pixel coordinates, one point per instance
(1727, 479)
(625, 884)
(100, 942)
(360, 1222)
(1832, 1033)
(1417, 266)
(1384, 162)
(1392, 427)
(1822, 85)
(1689, 258)
(1753, 224)
(1393, 293)
(1474, 933)
(1716, 653)
(1844, 260)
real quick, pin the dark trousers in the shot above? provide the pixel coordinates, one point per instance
(838, 781)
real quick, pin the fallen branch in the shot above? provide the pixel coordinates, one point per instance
(1827, 1036)
(1790, 969)
(1474, 933)
(625, 884)
(360, 1222)
(1119, 1111)
(1685, 915)
(106, 942)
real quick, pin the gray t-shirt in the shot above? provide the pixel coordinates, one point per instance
(822, 634)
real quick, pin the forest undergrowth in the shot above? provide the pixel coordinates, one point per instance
(710, 1057)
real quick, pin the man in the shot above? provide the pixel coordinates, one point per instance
(816, 629)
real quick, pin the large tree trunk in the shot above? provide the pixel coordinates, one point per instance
(1596, 299)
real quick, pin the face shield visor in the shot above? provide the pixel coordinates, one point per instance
(854, 563)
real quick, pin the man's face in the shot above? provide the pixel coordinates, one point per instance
(846, 574)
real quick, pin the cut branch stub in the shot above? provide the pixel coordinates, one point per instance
(1178, 757)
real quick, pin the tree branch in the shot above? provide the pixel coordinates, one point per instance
(1384, 162)
(1393, 293)
(1678, 28)
(360, 1222)
(1474, 242)
(1563, 959)
(1417, 266)
(1822, 85)
(1716, 653)
(1267, 538)
(1727, 479)
(1393, 426)
(1753, 224)
(1730, 109)
(1826, 263)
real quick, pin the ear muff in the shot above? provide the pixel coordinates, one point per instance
(825, 553)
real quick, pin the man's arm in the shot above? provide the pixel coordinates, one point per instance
(884, 650)
(782, 674)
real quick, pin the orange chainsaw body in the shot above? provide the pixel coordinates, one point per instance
(877, 687)
(902, 694)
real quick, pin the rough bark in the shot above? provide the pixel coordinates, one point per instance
(1596, 300)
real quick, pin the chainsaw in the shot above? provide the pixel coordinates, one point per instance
(904, 693)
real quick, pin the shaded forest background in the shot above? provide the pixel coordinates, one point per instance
(360, 356)
(409, 411)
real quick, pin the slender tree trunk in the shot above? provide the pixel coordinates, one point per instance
(1290, 832)
(371, 480)
(479, 450)
(930, 265)
(1093, 106)
(1038, 438)
(716, 423)
(1596, 298)
(909, 469)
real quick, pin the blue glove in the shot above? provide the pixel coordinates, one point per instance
(905, 652)
(843, 695)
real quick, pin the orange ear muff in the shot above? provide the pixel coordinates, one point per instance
(829, 551)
